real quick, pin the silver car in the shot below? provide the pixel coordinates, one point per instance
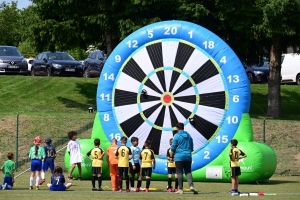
(12, 61)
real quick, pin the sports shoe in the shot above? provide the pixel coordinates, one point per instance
(70, 178)
(43, 181)
(127, 190)
(4, 186)
(80, 178)
(147, 190)
(120, 190)
(137, 189)
(94, 189)
(179, 192)
(30, 188)
(37, 188)
(193, 190)
(169, 190)
(100, 189)
(142, 189)
(132, 189)
(233, 191)
(175, 190)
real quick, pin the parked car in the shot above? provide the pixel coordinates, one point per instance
(290, 68)
(258, 73)
(12, 61)
(93, 64)
(29, 63)
(56, 63)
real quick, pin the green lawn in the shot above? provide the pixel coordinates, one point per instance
(283, 187)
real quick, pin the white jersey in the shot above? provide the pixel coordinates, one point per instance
(74, 149)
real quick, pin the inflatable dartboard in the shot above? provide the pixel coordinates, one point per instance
(170, 72)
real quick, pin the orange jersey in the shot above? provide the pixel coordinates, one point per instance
(111, 151)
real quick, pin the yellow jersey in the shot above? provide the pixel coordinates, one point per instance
(234, 155)
(123, 153)
(171, 164)
(96, 153)
(147, 156)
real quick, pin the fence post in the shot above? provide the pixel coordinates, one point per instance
(17, 141)
(264, 133)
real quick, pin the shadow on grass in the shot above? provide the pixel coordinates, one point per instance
(275, 182)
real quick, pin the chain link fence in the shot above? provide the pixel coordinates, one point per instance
(281, 135)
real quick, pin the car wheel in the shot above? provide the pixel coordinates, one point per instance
(250, 77)
(32, 72)
(298, 79)
(48, 71)
(86, 73)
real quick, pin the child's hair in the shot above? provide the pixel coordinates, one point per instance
(36, 152)
(234, 142)
(97, 142)
(171, 140)
(10, 155)
(180, 126)
(147, 143)
(123, 139)
(133, 139)
(114, 140)
(58, 169)
(71, 134)
(48, 141)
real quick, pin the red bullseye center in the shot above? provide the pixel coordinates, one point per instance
(167, 98)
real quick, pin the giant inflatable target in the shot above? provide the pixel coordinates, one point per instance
(176, 71)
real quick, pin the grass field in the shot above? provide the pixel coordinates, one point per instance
(283, 187)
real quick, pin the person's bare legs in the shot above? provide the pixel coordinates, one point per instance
(72, 169)
(233, 184)
(49, 185)
(68, 185)
(79, 169)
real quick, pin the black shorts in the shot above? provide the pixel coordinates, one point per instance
(183, 166)
(146, 171)
(235, 171)
(137, 168)
(123, 171)
(171, 170)
(96, 170)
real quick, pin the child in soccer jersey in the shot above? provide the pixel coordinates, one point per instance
(58, 181)
(36, 154)
(148, 162)
(134, 164)
(75, 156)
(97, 158)
(8, 168)
(123, 154)
(171, 170)
(112, 162)
(235, 154)
(49, 159)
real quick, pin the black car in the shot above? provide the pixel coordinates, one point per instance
(258, 73)
(56, 63)
(12, 61)
(93, 64)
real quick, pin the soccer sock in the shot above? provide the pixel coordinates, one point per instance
(37, 181)
(132, 181)
(127, 182)
(176, 183)
(93, 181)
(148, 183)
(169, 183)
(43, 175)
(99, 181)
(180, 181)
(31, 181)
(190, 179)
(139, 184)
(121, 183)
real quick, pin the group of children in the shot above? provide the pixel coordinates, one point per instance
(121, 160)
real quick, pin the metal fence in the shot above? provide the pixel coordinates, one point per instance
(17, 134)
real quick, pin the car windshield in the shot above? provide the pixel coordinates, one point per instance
(59, 56)
(9, 51)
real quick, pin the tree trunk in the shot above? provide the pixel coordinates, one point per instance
(108, 43)
(274, 100)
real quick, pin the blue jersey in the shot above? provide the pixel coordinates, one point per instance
(50, 153)
(136, 153)
(57, 179)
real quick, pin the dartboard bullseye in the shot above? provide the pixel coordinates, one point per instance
(172, 72)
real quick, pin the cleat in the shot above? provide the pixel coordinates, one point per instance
(80, 178)
(70, 178)
(147, 190)
(4, 186)
(43, 181)
(169, 190)
(193, 190)
(137, 189)
(120, 190)
(175, 190)
(100, 189)
(94, 189)
(30, 188)
(142, 189)
(179, 192)
(37, 188)
(132, 189)
(127, 190)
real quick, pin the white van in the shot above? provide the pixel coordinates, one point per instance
(290, 68)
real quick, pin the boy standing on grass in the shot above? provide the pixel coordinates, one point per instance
(49, 159)
(8, 169)
(75, 156)
(134, 165)
(112, 162)
(97, 158)
(123, 155)
(235, 154)
(171, 170)
(147, 160)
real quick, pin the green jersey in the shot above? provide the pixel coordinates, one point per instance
(41, 153)
(7, 167)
